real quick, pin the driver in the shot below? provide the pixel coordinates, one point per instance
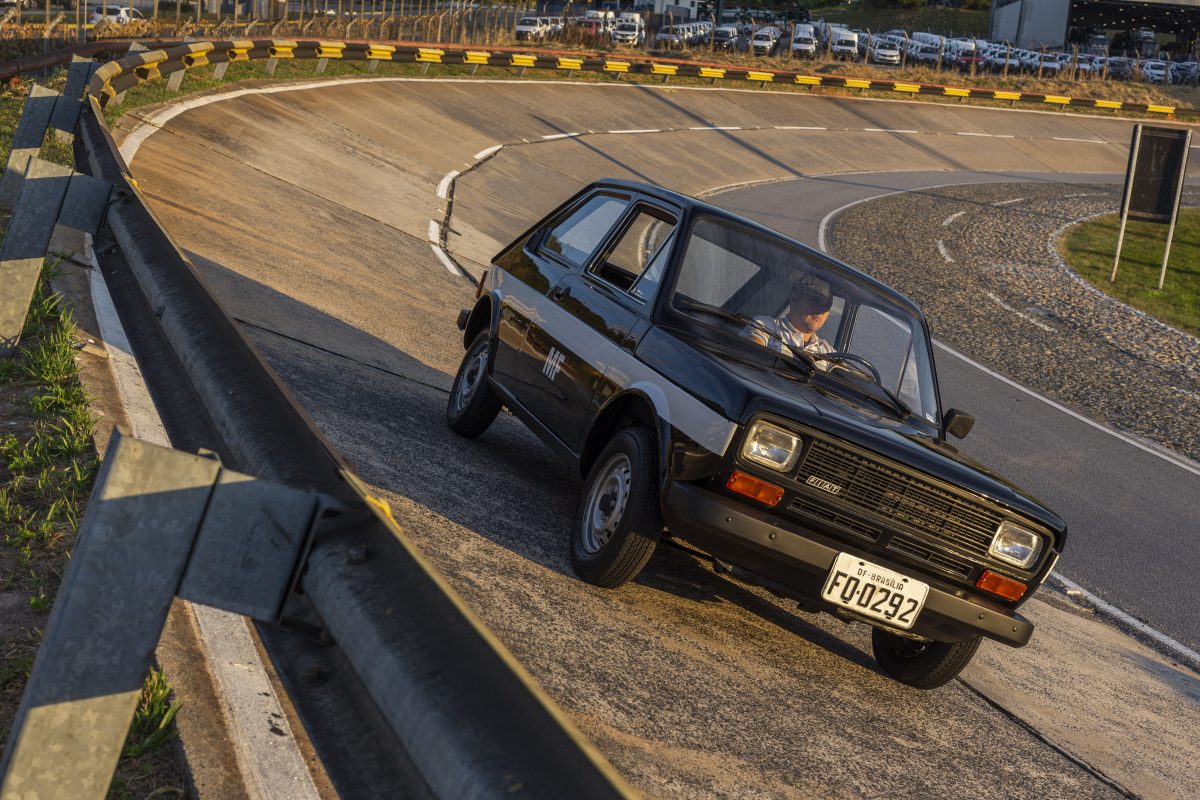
(796, 329)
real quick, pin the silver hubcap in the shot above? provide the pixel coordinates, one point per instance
(606, 503)
(468, 382)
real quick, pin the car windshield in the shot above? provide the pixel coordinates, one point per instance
(731, 272)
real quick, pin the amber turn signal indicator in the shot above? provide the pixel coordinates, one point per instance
(999, 585)
(479, 286)
(752, 487)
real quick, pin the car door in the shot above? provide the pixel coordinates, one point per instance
(525, 335)
(593, 314)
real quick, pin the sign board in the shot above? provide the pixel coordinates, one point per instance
(1154, 183)
(1156, 164)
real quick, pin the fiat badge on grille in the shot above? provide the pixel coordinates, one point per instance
(823, 485)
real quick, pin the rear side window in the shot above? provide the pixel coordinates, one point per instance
(575, 238)
(635, 261)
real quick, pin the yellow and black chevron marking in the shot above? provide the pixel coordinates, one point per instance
(116, 76)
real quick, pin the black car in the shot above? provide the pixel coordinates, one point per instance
(651, 340)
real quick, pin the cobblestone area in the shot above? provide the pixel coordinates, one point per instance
(981, 262)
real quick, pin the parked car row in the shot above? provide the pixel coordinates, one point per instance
(890, 48)
(683, 34)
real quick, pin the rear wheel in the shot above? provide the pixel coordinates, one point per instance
(925, 665)
(617, 523)
(472, 406)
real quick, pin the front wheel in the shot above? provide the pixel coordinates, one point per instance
(925, 665)
(617, 524)
(472, 406)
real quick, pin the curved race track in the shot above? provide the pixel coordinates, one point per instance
(309, 212)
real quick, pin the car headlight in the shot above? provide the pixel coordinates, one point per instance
(771, 446)
(1015, 545)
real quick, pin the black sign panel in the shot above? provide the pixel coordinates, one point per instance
(1161, 160)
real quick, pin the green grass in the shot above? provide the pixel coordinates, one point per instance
(151, 726)
(48, 464)
(1089, 249)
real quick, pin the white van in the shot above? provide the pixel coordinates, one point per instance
(804, 41)
(843, 44)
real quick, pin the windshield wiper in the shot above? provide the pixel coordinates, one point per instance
(788, 357)
(841, 357)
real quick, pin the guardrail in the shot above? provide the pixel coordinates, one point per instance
(294, 518)
(117, 76)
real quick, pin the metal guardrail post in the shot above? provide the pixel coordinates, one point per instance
(27, 141)
(134, 47)
(69, 104)
(50, 193)
(126, 564)
(160, 523)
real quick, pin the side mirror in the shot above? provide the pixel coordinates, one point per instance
(958, 423)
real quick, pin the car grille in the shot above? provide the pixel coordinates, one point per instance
(914, 548)
(850, 522)
(918, 504)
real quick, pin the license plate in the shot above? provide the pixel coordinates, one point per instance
(874, 591)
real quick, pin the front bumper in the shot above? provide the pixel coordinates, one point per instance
(799, 560)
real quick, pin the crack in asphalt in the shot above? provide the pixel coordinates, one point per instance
(1096, 772)
(342, 356)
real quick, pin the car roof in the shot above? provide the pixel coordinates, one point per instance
(691, 204)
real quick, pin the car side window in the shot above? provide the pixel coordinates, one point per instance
(576, 237)
(634, 263)
(888, 343)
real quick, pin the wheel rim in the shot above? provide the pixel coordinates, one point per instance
(606, 503)
(470, 379)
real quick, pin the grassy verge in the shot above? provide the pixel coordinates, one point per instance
(1089, 248)
(47, 467)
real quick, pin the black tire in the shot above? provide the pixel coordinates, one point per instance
(925, 665)
(472, 406)
(617, 523)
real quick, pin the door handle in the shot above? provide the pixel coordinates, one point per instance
(560, 292)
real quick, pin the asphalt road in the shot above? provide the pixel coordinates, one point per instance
(309, 215)
(1131, 513)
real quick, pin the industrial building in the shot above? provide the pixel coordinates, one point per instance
(1134, 26)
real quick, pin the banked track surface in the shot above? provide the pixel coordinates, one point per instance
(308, 212)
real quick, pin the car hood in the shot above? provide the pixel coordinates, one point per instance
(865, 424)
